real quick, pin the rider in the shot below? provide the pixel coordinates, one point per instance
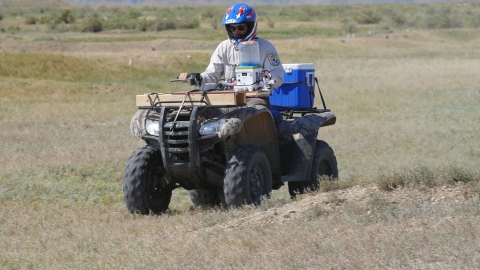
(240, 21)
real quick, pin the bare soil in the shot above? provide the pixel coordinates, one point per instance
(360, 196)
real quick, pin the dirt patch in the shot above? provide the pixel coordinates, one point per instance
(360, 196)
(106, 47)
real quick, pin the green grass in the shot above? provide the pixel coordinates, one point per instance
(65, 185)
(84, 70)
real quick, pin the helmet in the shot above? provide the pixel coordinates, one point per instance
(241, 13)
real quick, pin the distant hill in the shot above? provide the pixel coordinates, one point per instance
(258, 2)
(67, 3)
(33, 3)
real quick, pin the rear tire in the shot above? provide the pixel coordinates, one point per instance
(324, 163)
(146, 186)
(248, 177)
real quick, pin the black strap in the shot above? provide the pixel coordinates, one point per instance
(321, 96)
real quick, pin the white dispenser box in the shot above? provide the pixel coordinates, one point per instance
(249, 72)
(248, 78)
(249, 54)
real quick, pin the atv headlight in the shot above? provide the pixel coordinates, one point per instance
(152, 127)
(212, 128)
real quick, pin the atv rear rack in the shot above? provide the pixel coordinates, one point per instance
(295, 113)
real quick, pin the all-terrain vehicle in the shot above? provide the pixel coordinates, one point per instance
(208, 142)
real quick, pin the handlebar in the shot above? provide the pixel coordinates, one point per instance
(195, 79)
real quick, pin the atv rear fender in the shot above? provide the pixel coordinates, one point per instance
(297, 144)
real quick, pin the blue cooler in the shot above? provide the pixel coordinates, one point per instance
(297, 90)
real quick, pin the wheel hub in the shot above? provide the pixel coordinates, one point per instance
(155, 183)
(255, 180)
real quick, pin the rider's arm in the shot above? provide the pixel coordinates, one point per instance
(271, 61)
(221, 59)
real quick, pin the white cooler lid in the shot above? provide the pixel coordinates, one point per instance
(298, 66)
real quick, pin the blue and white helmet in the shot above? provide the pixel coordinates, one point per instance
(241, 13)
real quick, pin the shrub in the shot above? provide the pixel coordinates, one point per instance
(209, 13)
(56, 18)
(368, 16)
(143, 25)
(67, 16)
(270, 22)
(31, 20)
(475, 22)
(163, 25)
(398, 19)
(408, 177)
(59, 28)
(92, 24)
(1, 16)
(349, 26)
(84, 12)
(443, 18)
(442, 21)
(189, 24)
(214, 23)
(414, 21)
(133, 13)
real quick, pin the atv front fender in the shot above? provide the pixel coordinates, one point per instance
(238, 117)
(254, 125)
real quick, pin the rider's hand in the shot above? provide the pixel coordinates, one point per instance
(183, 76)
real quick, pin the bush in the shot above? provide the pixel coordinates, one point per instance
(442, 21)
(84, 12)
(1, 16)
(349, 26)
(60, 28)
(31, 20)
(189, 24)
(133, 13)
(398, 19)
(475, 22)
(67, 16)
(368, 16)
(143, 25)
(209, 13)
(56, 18)
(214, 23)
(270, 22)
(92, 24)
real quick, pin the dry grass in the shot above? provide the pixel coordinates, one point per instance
(378, 234)
(407, 102)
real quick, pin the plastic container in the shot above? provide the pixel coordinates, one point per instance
(298, 88)
(249, 54)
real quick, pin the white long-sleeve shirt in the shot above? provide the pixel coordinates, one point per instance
(226, 57)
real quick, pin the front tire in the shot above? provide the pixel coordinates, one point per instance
(248, 177)
(324, 163)
(146, 186)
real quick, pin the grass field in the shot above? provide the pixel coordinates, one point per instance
(406, 140)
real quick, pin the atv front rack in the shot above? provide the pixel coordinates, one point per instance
(195, 98)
